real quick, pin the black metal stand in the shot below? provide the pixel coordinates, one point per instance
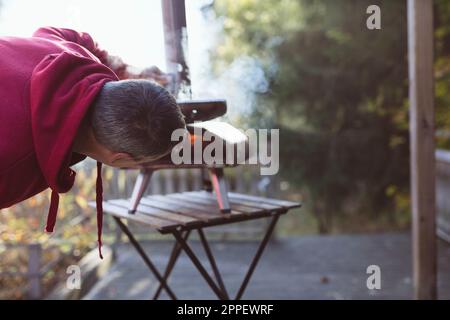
(181, 244)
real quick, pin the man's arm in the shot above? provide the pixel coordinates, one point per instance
(120, 68)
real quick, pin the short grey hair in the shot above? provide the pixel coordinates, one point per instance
(136, 117)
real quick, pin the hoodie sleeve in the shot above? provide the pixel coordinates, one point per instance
(62, 88)
(85, 40)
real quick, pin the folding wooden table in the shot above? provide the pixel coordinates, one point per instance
(181, 213)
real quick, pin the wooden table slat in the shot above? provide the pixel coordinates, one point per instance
(195, 209)
(158, 213)
(209, 198)
(276, 202)
(122, 212)
(199, 205)
(173, 207)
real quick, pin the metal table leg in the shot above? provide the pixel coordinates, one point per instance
(220, 294)
(212, 262)
(258, 254)
(146, 259)
(172, 260)
(181, 244)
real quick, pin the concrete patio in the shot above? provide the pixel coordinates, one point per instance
(307, 267)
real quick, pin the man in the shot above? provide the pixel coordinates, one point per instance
(63, 99)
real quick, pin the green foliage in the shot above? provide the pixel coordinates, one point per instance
(338, 93)
(442, 71)
(24, 222)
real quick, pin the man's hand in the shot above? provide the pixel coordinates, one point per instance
(156, 74)
(125, 71)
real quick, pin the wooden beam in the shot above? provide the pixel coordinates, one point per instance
(422, 146)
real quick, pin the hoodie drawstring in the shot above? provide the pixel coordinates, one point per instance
(51, 217)
(99, 202)
(54, 202)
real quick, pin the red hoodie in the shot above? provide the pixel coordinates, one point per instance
(47, 83)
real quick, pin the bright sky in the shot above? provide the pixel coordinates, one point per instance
(131, 29)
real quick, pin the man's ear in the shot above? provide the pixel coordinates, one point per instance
(120, 156)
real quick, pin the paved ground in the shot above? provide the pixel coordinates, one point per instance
(309, 267)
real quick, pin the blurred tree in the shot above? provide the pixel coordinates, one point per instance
(442, 67)
(337, 92)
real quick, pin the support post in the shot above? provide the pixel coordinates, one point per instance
(422, 146)
(34, 271)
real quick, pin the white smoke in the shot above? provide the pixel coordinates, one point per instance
(239, 84)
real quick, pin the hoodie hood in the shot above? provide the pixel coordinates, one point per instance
(62, 88)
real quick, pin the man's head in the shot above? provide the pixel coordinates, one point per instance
(132, 121)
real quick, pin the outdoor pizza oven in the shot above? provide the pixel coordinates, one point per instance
(201, 132)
